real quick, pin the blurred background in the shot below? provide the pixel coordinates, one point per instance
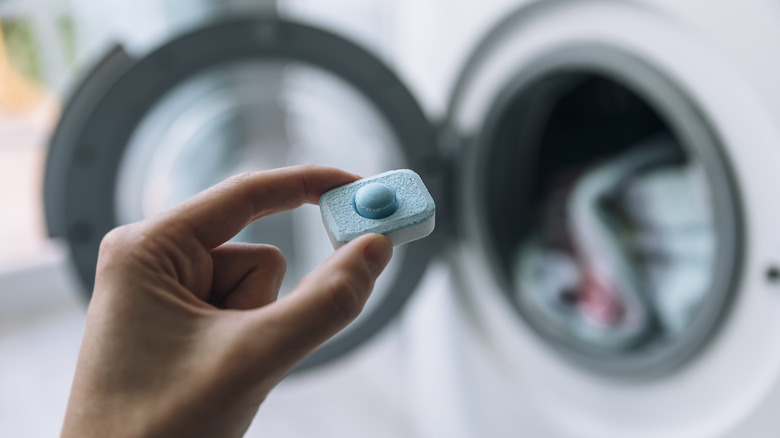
(606, 257)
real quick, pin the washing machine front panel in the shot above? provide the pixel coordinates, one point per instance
(679, 387)
(231, 97)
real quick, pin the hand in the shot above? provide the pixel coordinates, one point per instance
(184, 336)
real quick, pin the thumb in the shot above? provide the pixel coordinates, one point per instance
(323, 303)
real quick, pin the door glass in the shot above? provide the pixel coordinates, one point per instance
(253, 116)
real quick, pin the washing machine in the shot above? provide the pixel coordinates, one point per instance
(603, 172)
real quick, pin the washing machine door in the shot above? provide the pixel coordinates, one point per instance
(142, 134)
(611, 255)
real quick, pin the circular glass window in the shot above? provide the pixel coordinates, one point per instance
(610, 217)
(257, 115)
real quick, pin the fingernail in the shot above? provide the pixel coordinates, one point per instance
(378, 253)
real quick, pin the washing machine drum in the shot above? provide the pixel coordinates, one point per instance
(591, 200)
(612, 243)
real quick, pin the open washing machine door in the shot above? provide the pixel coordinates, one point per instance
(140, 135)
(615, 261)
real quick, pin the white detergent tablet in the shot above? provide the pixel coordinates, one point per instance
(394, 203)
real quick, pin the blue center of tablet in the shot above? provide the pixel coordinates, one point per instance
(375, 201)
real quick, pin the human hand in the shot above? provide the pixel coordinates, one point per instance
(184, 336)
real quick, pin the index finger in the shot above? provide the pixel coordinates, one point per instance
(217, 214)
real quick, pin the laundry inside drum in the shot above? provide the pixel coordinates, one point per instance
(622, 249)
(611, 241)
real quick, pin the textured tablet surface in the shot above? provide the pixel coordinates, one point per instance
(413, 216)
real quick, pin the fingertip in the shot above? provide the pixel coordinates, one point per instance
(377, 252)
(327, 299)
